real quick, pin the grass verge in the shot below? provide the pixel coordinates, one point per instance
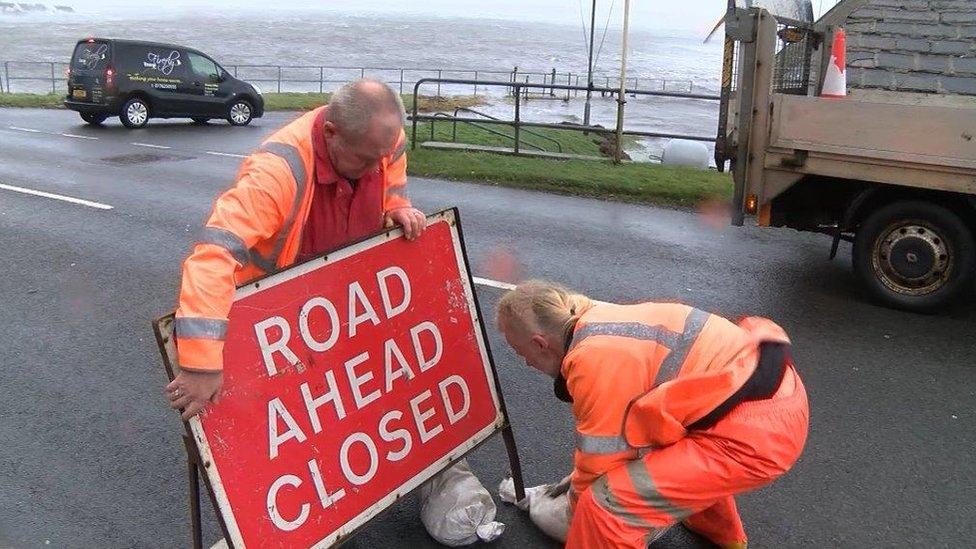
(634, 182)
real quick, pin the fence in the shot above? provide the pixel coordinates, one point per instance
(519, 89)
(44, 76)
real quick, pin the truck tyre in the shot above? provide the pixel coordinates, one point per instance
(914, 255)
(93, 118)
(239, 112)
(135, 113)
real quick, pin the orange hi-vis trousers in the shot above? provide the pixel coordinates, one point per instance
(693, 480)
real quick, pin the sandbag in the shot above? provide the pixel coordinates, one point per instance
(550, 514)
(456, 509)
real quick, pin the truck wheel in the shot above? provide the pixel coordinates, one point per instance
(915, 255)
(135, 113)
(93, 119)
(239, 113)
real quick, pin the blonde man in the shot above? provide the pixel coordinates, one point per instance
(676, 410)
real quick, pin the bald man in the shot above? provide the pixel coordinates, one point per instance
(336, 174)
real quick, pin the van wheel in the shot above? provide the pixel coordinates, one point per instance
(135, 113)
(915, 255)
(198, 120)
(239, 113)
(93, 119)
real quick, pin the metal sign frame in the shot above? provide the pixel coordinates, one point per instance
(200, 459)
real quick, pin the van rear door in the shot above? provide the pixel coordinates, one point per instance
(91, 71)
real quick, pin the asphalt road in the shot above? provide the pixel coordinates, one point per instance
(90, 456)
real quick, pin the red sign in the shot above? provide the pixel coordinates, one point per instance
(349, 380)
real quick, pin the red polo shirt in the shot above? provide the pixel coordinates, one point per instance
(341, 210)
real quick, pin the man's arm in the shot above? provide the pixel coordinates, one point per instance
(253, 210)
(396, 203)
(598, 404)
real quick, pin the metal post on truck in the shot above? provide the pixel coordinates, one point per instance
(755, 29)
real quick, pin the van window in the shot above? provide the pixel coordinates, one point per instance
(204, 68)
(91, 57)
(152, 61)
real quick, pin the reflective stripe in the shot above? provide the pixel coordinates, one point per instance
(398, 152)
(400, 191)
(266, 265)
(201, 328)
(680, 344)
(647, 490)
(605, 498)
(694, 323)
(293, 158)
(595, 444)
(229, 241)
(634, 330)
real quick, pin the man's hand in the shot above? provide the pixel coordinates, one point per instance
(413, 221)
(193, 390)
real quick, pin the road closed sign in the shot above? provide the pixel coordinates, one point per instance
(349, 380)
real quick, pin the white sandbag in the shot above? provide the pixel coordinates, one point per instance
(456, 509)
(550, 514)
(681, 152)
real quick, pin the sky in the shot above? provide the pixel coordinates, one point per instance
(694, 15)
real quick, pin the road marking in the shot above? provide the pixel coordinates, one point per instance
(151, 146)
(78, 136)
(215, 153)
(493, 283)
(24, 129)
(80, 201)
(507, 286)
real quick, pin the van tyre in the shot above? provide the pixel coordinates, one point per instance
(915, 256)
(93, 118)
(135, 113)
(239, 112)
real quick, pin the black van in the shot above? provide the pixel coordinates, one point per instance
(142, 80)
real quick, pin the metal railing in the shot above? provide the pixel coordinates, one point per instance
(315, 78)
(454, 120)
(517, 90)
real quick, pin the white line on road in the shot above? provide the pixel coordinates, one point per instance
(215, 153)
(78, 136)
(24, 129)
(151, 146)
(80, 201)
(493, 283)
(506, 285)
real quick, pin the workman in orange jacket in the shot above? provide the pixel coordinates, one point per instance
(335, 174)
(676, 410)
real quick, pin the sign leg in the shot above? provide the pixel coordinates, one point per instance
(513, 462)
(193, 475)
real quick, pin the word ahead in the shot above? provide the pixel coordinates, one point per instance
(348, 381)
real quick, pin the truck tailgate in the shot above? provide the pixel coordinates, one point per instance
(944, 136)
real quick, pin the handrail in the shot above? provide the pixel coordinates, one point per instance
(517, 87)
(559, 146)
(319, 75)
(479, 126)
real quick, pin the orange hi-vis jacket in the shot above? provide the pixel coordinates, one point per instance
(639, 374)
(255, 228)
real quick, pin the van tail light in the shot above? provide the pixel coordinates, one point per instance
(109, 76)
